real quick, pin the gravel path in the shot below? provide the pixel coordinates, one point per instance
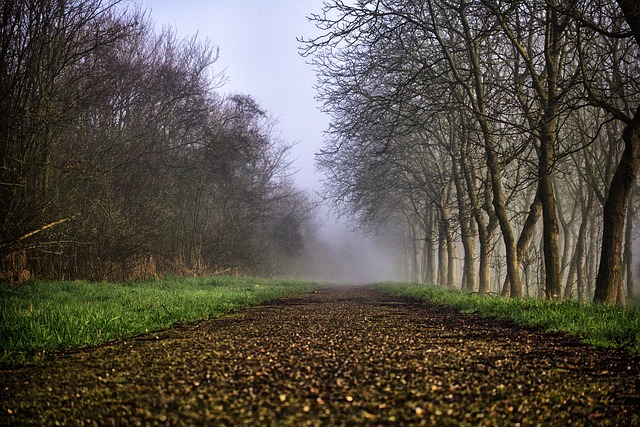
(348, 356)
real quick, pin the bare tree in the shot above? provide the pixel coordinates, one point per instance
(42, 45)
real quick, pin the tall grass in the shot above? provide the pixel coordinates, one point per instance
(37, 316)
(596, 324)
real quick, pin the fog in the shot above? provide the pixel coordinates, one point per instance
(343, 256)
(258, 53)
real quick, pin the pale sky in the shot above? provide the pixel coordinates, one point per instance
(259, 53)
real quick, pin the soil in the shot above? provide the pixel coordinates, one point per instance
(344, 356)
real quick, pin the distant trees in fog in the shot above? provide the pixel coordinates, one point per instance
(120, 160)
(512, 128)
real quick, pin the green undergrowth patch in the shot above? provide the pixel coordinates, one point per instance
(596, 324)
(38, 317)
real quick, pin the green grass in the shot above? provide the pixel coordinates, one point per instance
(38, 317)
(596, 324)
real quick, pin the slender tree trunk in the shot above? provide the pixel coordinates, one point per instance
(568, 250)
(528, 229)
(581, 247)
(430, 270)
(484, 272)
(406, 251)
(580, 259)
(541, 272)
(484, 269)
(571, 279)
(442, 250)
(628, 245)
(571, 275)
(592, 256)
(499, 205)
(473, 284)
(451, 261)
(468, 242)
(424, 261)
(609, 278)
(415, 256)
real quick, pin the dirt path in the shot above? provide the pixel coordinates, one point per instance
(335, 357)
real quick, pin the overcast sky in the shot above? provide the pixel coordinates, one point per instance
(259, 54)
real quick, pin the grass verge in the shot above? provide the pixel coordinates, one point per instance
(38, 317)
(595, 324)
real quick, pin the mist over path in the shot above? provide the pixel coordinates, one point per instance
(347, 355)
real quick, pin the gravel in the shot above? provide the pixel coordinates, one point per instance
(340, 356)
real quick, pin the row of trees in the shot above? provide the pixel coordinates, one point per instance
(118, 158)
(512, 127)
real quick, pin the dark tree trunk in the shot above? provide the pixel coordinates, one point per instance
(609, 278)
(551, 230)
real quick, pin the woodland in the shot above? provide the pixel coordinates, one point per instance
(500, 138)
(496, 141)
(120, 159)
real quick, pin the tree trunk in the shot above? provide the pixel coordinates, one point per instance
(442, 250)
(535, 210)
(568, 251)
(592, 256)
(548, 136)
(553, 289)
(415, 249)
(451, 261)
(609, 278)
(484, 272)
(581, 247)
(580, 259)
(628, 246)
(571, 275)
(425, 261)
(468, 242)
(430, 268)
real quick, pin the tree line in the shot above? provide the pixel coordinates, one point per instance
(511, 127)
(119, 159)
